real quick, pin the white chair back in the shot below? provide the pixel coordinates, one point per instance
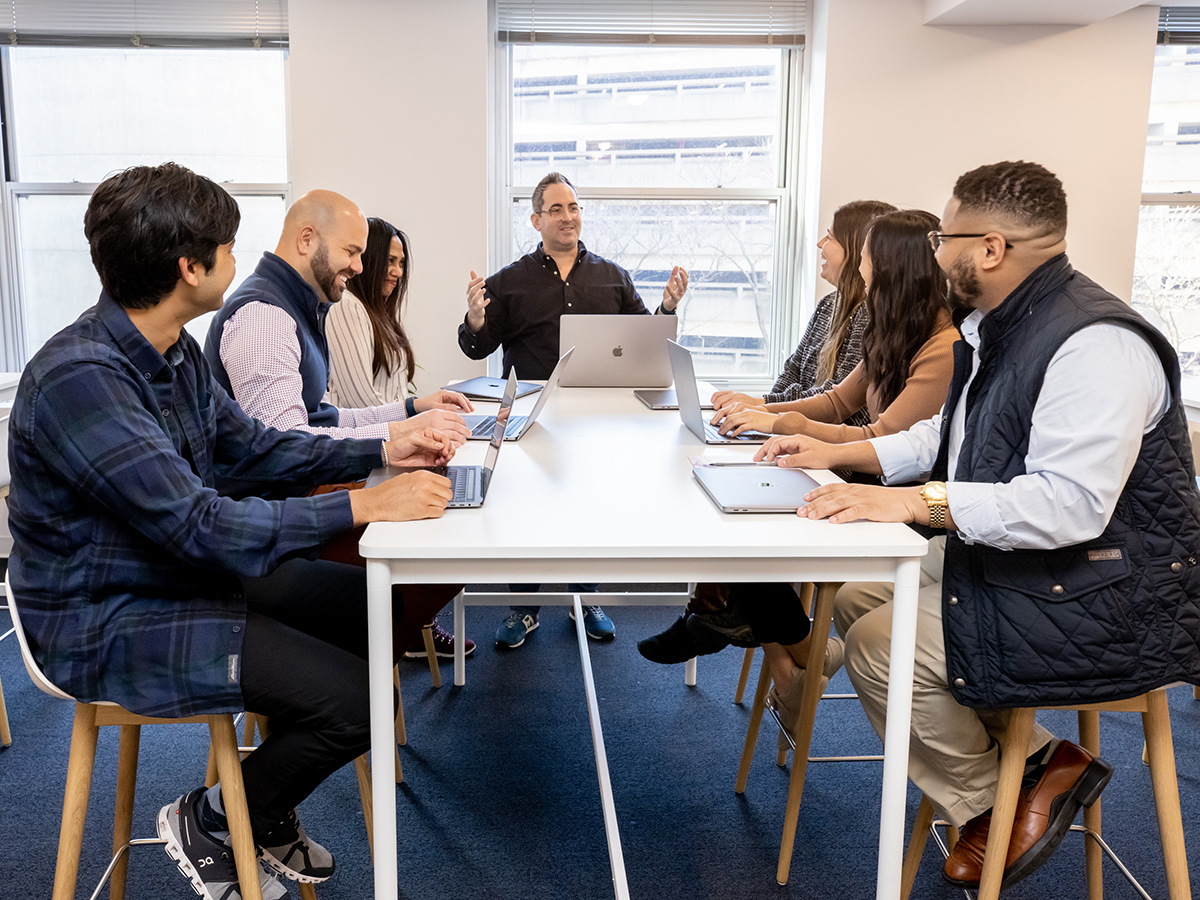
(31, 665)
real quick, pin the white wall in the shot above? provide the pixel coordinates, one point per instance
(388, 103)
(910, 107)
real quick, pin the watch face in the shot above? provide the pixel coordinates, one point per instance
(934, 491)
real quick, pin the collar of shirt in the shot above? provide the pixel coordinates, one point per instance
(302, 294)
(133, 343)
(969, 328)
(547, 260)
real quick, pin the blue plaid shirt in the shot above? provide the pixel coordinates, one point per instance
(135, 508)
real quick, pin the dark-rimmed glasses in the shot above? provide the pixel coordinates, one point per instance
(936, 238)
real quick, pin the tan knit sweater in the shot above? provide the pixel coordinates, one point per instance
(924, 393)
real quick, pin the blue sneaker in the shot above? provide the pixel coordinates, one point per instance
(516, 627)
(598, 626)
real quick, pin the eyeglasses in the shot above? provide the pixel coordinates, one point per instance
(557, 212)
(937, 237)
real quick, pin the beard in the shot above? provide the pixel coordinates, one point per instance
(963, 279)
(324, 275)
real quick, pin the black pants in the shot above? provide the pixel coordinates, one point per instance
(304, 666)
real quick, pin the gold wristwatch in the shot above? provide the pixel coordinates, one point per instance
(934, 495)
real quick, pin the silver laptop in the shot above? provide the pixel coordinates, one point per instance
(482, 426)
(689, 403)
(617, 351)
(665, 398)
(755, 489)
(471, 483)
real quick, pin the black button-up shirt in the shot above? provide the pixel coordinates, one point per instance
(528, 298)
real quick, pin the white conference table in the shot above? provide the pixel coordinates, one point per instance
(600, 490)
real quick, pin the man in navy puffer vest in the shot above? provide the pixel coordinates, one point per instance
(1061, 487)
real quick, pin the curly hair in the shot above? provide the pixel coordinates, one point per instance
(1023, 192)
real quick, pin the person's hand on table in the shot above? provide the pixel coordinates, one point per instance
(476, 302)
(449, 424)
(675, 289)
(728, 398)
(797, 451)
(443, 399)
(853, 502)
(736, 418)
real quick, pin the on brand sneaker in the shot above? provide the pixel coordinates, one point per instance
(516, 627)
(204, 860)
(293, 854)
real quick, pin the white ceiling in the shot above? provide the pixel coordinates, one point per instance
(1031, 12)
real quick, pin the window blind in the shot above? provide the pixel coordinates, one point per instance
(1179, 25)
(144, 23)
(652, 21)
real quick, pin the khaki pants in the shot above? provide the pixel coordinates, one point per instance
(954, 752)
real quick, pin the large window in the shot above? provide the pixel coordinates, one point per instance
(677, 155)
(76, 115)
(1166, 286)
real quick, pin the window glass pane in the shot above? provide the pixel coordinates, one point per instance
(1173, 138)
(56, 266)
(82, 114)
(1166, 282)
(727, 248)
(647, 117)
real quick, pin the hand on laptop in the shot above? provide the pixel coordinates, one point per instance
(855, 502)
(443, 399)
(797, 451)
(738, 417)
(449, 424)
(420, 447)
(413, 495)
(476, 301)
(728, 398)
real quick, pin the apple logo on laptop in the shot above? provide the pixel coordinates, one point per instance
(617, 351)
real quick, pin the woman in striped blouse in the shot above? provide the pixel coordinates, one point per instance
(832, 343)
(370, 355)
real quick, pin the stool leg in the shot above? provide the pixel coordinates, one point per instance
(233, 795)
(802, 733)
(127, 760)
(307, 891)
(1156, 721)
(1089, 739)
(401, 730)
(5, 731)
(435, 672)
(747, 665)
(756, 717)
(362, 770)
(84, 732)
(1012, 767)
(916, 847)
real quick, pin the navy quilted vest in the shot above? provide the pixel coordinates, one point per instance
(1103, 620)
(277, 283)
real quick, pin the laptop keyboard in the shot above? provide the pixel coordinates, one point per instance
(712, 432)
(462, 479)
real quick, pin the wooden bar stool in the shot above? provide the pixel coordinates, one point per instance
(1156, 723)
(822, 616)
(89, 718)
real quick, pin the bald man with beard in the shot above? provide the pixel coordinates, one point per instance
(267, 348)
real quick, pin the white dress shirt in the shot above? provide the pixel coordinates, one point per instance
(261, 353)
(1104, 388)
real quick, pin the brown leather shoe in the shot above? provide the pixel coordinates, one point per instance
(1072, 779)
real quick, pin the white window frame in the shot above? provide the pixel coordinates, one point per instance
(14, 348)
(786, 316)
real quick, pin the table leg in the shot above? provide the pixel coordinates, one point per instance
(899, 715)
(460, 640)
(616, 858)
(383, 733)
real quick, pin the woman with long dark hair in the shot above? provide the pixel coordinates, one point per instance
(832, 343)
(907, 345)
(371, 357)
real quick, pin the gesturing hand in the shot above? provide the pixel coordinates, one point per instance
(476, 301)
(420, 447)
(675, 289)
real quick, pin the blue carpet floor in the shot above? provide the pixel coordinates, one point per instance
(500, 797)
